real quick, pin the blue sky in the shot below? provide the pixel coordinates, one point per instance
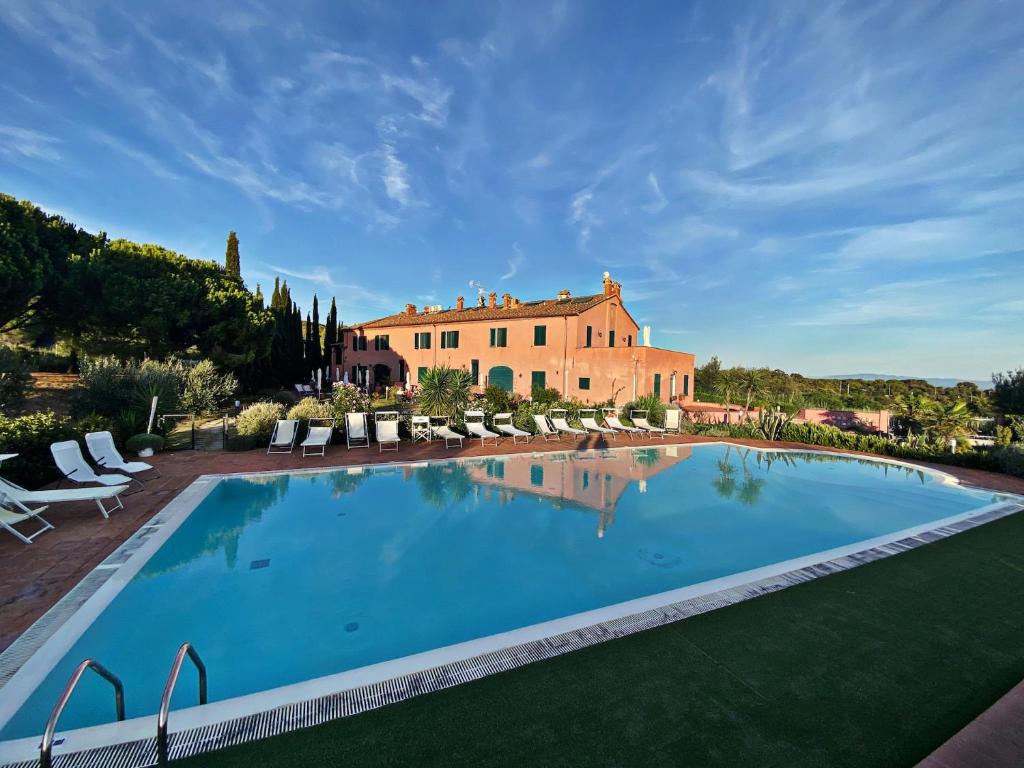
(821, 187)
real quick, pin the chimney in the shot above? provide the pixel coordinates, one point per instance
(564, 295)
(608, 285)
(506, 300)
(460, 303)
(410, 309)
(492, 299)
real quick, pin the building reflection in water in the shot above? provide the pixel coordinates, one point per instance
(591, 481)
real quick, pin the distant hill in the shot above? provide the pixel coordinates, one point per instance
(935, 382)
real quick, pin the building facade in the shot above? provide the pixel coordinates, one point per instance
(588, 347)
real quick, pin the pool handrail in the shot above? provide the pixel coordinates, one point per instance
(46, 746)
(162, 743)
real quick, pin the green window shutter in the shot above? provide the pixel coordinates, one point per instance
(585, 383)
(474, 370)
(629, 340)
(500, 376)
(416, 341)
(657, 385)
(611, 338)
(494, 336)
(686, 384)
(590, 335)
(420, 373)
(426, 338)
(538, 380)
(540, 335)
(444, 339)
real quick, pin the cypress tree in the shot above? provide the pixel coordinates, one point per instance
(232, 261)
(313, 350)
(330, 335)
(258, 295)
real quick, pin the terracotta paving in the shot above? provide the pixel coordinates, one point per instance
(34, 577)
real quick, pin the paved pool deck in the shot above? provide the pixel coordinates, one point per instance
(34, 577)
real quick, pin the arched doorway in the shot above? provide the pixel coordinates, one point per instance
(381, 375)
(500, 376)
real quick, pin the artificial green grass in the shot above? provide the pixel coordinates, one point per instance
(872, 667)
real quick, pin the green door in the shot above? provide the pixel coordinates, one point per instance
(500, 376)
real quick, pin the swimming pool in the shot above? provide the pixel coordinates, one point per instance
(278, 579)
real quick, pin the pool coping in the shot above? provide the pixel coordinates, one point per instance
(253, 716)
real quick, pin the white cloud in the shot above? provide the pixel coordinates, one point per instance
(514, 263)
(395, 176)
(27, 143)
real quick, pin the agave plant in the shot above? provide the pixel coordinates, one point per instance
(772, 421)
(443, 391)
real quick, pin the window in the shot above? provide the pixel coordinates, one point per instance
(449, 339)
(629, 340)
(590, 335)
(422, 340)
(382, 343)
(538, 380)
(358, 343)
(586, 479)
(496, 469)
(686, 384)
(420, 373)
(536, 474)
(401, 371)
(499, 337)
(611, 338)
(657, 385)
(585, 383)
(540, 335)
(474, 370)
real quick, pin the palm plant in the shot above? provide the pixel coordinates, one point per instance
(751, 382)
(912, 410)
(946, 421)
(443, 391)
(725, 387)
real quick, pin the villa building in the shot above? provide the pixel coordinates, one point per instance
(588, 347)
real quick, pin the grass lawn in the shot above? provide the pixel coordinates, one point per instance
(872, 667)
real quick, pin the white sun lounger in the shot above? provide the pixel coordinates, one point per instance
(477, 428)
(21, 497)
(611, 418)
(282, 440)
(639, 418)
(356, 435)
(104, 452)
(387, 429)
(674, 420)
(446, 433)
(317, 438)
(559, 421)
(69, 459)
(544, 428)
(503, 423)
(9, 519)
(590, 422)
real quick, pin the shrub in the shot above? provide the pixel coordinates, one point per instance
(258, 420)
(1003, 436)
(93, 422)
(444, 391)
(30, 437)
(654, 407)
(15, 379)
(545, 395)
(284, 396)
(498, 399)
(206, 388)
(110, 386)
(310, 408)
(1016, 424)
(348, 398)
(136, 443)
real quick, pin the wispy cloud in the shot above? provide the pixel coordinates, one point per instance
(27, 143)
(514, 263)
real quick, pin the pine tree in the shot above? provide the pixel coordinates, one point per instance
(232, 261)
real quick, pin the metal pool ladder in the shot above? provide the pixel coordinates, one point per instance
(46, 747)
(162, 744)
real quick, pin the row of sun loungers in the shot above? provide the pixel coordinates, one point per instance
(19, 505)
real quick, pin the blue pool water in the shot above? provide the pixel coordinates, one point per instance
(284, 578)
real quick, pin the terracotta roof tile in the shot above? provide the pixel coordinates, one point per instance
(543, 308)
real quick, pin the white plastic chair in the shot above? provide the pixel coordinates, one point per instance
(544, 428)
(386, 429)
(105, 454)
(317, 438)
(68, 457)
(590, 422)
(559, 421)
(477, 428)
(503, 423)
(639, 418)
(356, 435)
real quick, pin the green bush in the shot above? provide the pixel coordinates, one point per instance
(348, 398)
(110, 386)
(206, 388)
(1016, 424)
(240, 443)
(30, 437)
(286, 397)
(1003, 435)
(138, 442)
(15, 380)
(257, 420)
(498, 400)
(654, 407)
(545, 395)
(310, 408)
(93, 422)
(444, 391)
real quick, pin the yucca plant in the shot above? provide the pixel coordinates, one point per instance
(443, 391)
